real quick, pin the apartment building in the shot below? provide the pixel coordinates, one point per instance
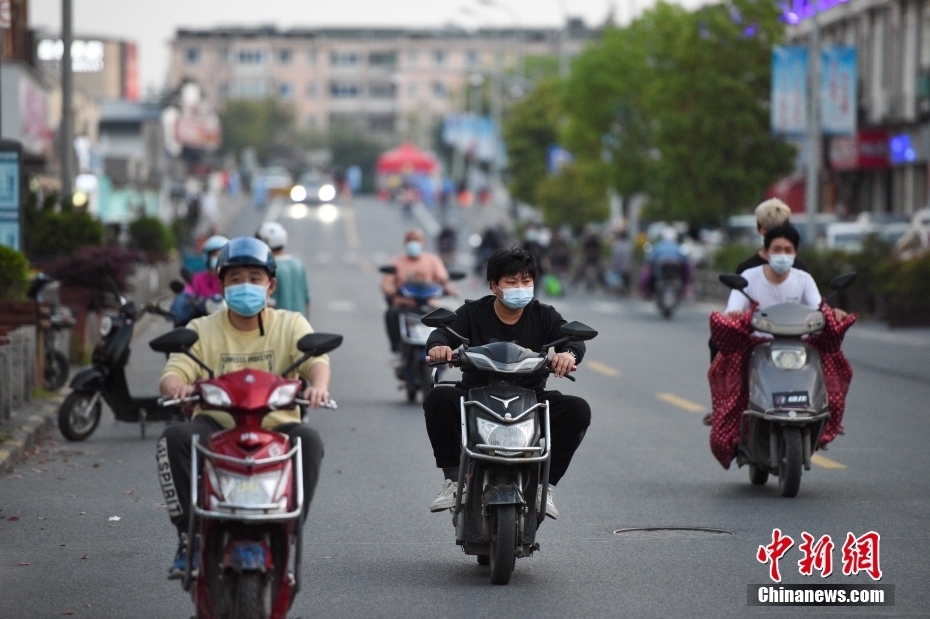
(884, 168)
(384, 80)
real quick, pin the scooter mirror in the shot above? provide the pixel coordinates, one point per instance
(178, 340)
(733, 282)
(438, 317)
(578, 331)
(315, 344)
(176, 286)
(388, 269)
(457, 275)
(842, 282)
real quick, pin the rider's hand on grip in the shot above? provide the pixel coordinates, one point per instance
(562, 363)
(441, 354)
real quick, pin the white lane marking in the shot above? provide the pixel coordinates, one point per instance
(430, 226)
(341, 306)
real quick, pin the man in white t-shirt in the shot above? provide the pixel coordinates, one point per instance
(777, 282)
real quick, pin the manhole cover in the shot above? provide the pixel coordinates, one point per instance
(670, 532)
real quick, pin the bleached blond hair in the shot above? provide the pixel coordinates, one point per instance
(771, 214)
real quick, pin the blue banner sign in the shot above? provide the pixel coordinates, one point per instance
(789, 89)
(838, 90)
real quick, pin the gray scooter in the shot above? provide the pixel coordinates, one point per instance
(787, 394)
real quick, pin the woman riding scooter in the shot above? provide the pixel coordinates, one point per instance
(203, 286)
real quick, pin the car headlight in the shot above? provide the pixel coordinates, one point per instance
(106, 325)
(283, 396)
(327, 193)
(298, 193)
(789, 358)
(512, 435)
(254, 490)
(214, 396)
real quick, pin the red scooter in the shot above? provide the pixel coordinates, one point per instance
(248, 499)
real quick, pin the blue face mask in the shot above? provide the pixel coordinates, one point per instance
(247, 300)
(516, 298)
(780, 263)
(414, 249)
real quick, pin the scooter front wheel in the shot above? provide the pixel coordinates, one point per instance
(251, 602)
(503, 543)
(789, 464)
(79, 415)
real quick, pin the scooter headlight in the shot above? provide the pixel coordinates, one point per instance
(507, 435)
(215, 396)
(245, 491)
(789, 358)
(106, 325)
(283, 396)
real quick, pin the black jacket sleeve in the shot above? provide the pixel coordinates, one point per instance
(555, 325)
(442, 337)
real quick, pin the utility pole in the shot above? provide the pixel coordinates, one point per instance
(563, 42)
(812, 188)
(67, 111)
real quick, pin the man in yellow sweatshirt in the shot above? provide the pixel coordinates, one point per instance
(247, 335)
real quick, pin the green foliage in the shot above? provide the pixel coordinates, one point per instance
(727, 257)
(825, 264)
(14, 274)
(100, 268)
(575, 196)
(349, 146)
(266, 125)
(151, 235)
(908, 283)
(530, 128)
(61, 234)
(676, 106)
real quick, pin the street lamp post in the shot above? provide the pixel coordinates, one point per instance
(67, 114)
(812, 187)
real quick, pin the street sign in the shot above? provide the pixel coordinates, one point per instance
(789, 89)
(10, 194)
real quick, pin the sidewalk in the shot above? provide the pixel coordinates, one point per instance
(29, 423)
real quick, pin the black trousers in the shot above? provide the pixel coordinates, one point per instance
(569, 418)
(174, 462)
(392, 322)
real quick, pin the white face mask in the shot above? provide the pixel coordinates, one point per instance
(780, 263)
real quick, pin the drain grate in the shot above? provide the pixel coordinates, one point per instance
(671, 532)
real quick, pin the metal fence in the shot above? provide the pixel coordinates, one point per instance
(17, 369)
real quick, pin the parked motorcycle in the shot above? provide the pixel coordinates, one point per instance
(669, 283)
(413, 371)
(56, 366)
(248, 498)
(505, 451)
(105, 380)
(788, 406)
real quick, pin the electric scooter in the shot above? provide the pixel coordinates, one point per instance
(506, 449)
(247, 500)
(105, 380)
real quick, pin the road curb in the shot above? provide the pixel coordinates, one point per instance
(30, 425)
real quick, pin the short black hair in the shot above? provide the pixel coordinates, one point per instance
(513, 261)
(784, 231)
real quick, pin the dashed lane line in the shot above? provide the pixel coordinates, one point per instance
(688, 405)
(826, 463)
(600, 368)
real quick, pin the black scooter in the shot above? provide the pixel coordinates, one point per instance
(105, 380)
(506, 450)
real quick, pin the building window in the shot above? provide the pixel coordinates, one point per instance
(413, 56)
(311, 90)
(284, 56)
(343, 59)
(285, 90)
(382, 90)
(439, 90)
(344, 91)
(439, 57)
(222, 56)
(311, 57)
(412, 88)
(251, 56)
(384, 60)
(381, 123)
(471, 57)
(192, 55)
(249, 90)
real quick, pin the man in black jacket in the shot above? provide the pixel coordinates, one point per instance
(509, 314)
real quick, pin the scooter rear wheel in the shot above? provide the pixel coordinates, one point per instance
(789, 464)
(503, 543)
(757, 475)
(79, 415)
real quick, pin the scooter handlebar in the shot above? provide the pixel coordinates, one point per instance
(330, 404)
(456, 362)
(165, 401)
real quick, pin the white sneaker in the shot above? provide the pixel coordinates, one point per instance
(446, 497)
(551, 511)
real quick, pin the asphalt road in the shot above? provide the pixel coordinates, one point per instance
(372, 547)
